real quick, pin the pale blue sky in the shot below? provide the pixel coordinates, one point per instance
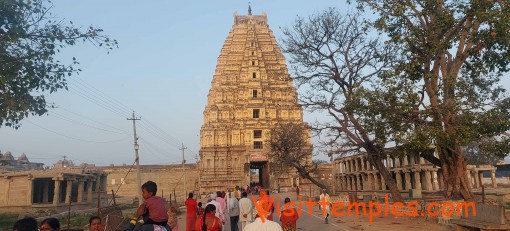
(163, 69)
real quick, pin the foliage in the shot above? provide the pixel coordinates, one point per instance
(485, 151)
(7, 220)
(452, 56)
(30, 39)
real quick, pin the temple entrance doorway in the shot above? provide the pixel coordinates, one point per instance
(262, 167)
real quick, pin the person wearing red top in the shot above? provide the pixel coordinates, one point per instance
(200, 210)
(265, 197)
(289, 216)
(208, 222)
(191, 211)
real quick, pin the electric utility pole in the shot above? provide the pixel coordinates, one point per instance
(137, 160)
(184, 171)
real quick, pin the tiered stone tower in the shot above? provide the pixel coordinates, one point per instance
(251, 91)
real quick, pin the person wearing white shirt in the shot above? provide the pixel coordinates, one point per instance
(245, 210)
(325, 198)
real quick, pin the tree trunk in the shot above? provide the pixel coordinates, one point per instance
(454, 172)
(305, 174)
(377, 160)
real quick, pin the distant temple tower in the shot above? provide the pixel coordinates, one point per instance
(251, 91)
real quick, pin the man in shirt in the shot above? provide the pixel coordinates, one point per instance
(325, 200)
(245, 210)
(191, 212)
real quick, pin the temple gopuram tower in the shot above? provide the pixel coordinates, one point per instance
(251, 91)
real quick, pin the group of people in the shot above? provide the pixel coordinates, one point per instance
(237, 207)
(50, 224)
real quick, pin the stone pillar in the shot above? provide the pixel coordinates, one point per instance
(405, 161)
(468, 177)
(352, 183)
(376, 182)
(80, 191)
(493, 178)
(388, 161)
(370, 182)
(56, 193)
(362, 162)
(69, 185)
(407, 176)
(358, 182)
(422, 161)
(435, 184)
(30, 191)
(399, 180)
(397, 162)
(369, 166)
(45, 192)
(477, 181)
(89, 191)
(417, 180)
(480, 177)
(428, 180)
(441, 180)
(356, 164)
(98, 183)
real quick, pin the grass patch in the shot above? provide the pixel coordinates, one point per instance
(7, 221)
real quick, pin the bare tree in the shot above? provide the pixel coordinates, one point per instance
(290, 148)
(339, 69)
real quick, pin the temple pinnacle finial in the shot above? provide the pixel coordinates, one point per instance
(249, 8)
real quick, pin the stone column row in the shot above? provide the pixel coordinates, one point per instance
(476, 180)
(374, 181)
(57, 196)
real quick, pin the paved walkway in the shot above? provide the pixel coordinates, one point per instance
(315, 221)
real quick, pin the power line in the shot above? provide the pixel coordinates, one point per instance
(93, 120)
(101, 99)
(116, 105)
(74, 138)
(83, 124)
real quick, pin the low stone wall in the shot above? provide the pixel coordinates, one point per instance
(499, 181)
(167, 177)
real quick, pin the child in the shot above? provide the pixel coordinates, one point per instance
(153, 209)
(200, 210)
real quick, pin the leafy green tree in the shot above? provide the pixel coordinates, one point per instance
(452, 56)
(30, 38)
(339, 69)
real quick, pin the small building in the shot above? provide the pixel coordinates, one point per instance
(50, 188)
